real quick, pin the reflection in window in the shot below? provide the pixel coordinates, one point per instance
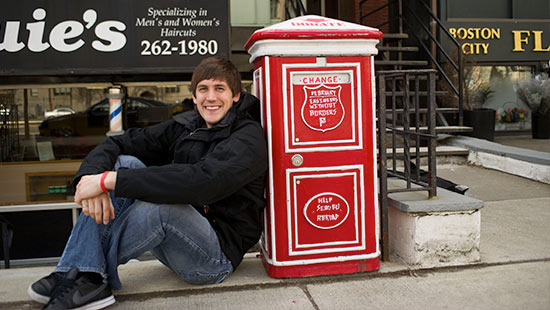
(102, 107)
(277, 10)
(61, 91)
(64, 124)
(75, 119)
(172, 89)
(512, 113)
(256, 13)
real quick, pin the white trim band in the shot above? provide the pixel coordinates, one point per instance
(340, 47)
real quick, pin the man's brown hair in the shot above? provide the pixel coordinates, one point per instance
(216, 68)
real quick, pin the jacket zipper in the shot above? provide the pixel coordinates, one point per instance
(201, 128)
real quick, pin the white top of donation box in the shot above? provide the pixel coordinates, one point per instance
(313, 35)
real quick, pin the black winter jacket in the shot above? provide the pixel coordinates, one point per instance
(223, 168)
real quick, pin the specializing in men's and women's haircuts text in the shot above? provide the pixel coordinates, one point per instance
(150, 35)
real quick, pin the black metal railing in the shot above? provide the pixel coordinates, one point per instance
(396, 130)
(408, 25)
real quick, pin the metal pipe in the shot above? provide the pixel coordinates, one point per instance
(417, 125)
(383, 167)
(394, 122)
(460, 88)
(432, 174)
(406, 129)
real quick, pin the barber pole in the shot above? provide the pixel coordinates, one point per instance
(115, 111)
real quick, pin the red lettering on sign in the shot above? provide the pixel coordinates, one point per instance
(326, 210)
(322, 109)
(317, 22)
(320, 79)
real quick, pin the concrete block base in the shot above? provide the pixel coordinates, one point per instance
(434, 239)
(433, 232)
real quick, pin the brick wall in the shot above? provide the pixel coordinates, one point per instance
(375, 19)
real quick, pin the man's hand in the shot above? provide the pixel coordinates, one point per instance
(89, 187)
(100, 208)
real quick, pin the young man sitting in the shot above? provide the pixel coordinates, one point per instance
(189, 190)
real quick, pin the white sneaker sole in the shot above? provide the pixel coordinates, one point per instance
(99, 304)
(37, 297)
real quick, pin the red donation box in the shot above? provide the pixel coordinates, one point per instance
(315, 79)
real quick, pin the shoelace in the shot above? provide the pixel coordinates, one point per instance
(63, 286)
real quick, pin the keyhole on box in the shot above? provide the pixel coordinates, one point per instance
(297, 160)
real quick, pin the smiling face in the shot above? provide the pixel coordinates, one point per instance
(213, 99)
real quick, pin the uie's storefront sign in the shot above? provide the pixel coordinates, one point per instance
(75, 37)
(503, 41)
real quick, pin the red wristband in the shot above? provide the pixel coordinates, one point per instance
(102, 182)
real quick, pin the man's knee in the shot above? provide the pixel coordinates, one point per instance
(145, 210)
(128, 161)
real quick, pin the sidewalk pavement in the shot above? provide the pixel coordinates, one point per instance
(525, 142)
(514, 271)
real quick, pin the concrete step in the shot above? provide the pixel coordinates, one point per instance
(421, 93)
(439, 129)
(397, 48)
(424, 110)
(439, 150)
(395, 36)
(400, 62)
(526, 163)
(452, 129)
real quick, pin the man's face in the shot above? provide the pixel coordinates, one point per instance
(213, 99)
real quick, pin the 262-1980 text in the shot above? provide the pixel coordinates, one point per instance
(184, 47)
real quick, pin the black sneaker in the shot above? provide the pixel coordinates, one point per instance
(41, 290)
(79, 291)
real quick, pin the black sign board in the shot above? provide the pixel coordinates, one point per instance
(502, 41)
(110, 37)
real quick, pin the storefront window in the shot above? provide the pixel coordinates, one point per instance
(43, 147)
(494, 87)
(61, 91)
(277, 10)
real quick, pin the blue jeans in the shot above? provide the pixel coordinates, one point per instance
(177, 235)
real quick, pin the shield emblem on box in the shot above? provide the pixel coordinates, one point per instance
(322, 109)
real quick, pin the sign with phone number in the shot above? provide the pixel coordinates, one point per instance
(110, 37)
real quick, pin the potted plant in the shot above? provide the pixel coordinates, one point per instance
(508, 116)
(535, 92)
(482, 120)
(476, 93)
